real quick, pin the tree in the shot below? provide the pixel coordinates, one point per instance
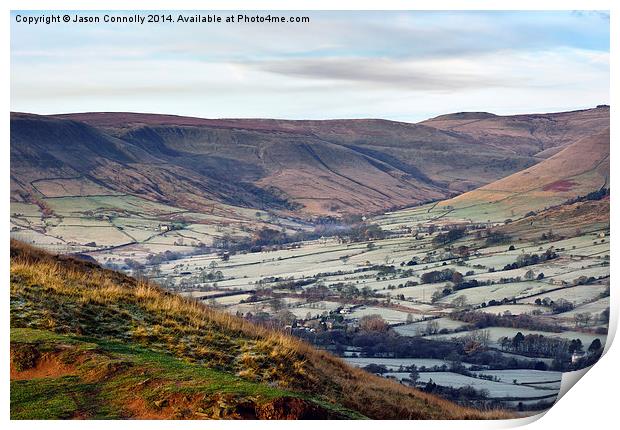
(529, 275)
(414, 375)
(595, 345)
(409, 318)
(372, 323)
(575, 346)
(457, 278)
(437, 276)
(459, 302)
(285, 317)
(462, 251)
(518, 340)
(604, 316)
(277, 304)
(437, 295)
(475, 341)
(561, 305)
(204, 276)
(432, 327)
(450, 236)
(582, 319)
(375, 368)
(496, 237)
(505, 342)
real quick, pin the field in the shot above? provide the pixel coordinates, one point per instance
(495, 333)
(496, 390)
(421, 328)
(394, 364)
(321, 287)
(119, 226)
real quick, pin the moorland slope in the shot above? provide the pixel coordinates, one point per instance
(307, 168)
(578, 169)
(541, 135)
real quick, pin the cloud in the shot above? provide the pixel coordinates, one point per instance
(400, 65)
(405, 75)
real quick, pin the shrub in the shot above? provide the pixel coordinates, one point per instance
(24, 356)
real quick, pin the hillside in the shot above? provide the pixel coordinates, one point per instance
(578, 169)
(540, 135)
(62, 158)
(93, 343)
(415, 150)
(564, 220)
(306, 168)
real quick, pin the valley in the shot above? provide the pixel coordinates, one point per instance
(466, 256)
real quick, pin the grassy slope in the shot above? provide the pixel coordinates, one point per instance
(578, 169)
(79, 377)
(114, 347)
(564, 220)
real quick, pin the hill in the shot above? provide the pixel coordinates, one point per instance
(539, 135)
(306, 168)
(578, 169)
(92, 343)
(567, 220)
(88, 161)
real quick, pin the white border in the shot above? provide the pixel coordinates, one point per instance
(591, 404)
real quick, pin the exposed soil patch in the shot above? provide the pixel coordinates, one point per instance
(47, 365)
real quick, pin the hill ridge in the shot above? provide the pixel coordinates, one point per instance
(369, 165)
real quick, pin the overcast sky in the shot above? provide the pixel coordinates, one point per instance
(405, 66)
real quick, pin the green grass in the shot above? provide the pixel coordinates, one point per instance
(182, 371)
(29, 335)
(125, 368)
(59, 398)
(47, 398)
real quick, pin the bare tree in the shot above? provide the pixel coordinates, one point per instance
(432, 327)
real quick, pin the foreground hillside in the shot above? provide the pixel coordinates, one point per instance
(92, 343)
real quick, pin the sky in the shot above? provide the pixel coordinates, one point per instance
(404, 66)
